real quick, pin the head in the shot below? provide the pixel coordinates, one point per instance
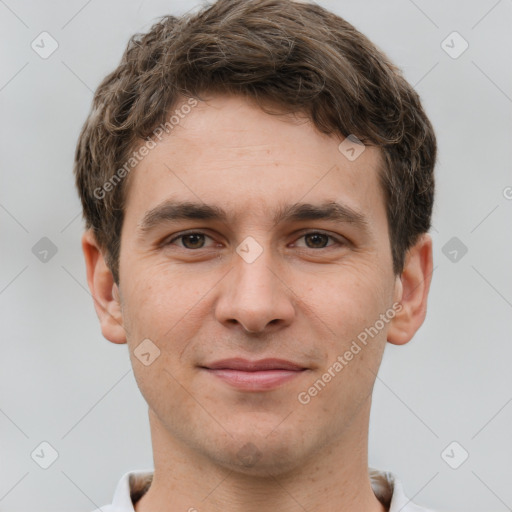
(227, 124)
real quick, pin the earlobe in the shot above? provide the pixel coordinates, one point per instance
(413, 290)
(104, 291)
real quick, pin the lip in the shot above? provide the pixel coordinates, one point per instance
(261, 375)
(238, 363)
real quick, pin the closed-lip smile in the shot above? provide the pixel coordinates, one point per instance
(259, 375)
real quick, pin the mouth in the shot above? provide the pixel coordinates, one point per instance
(262, 375)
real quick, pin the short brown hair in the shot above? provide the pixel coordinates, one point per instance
(298, 56)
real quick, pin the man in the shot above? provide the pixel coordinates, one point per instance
(257, 183)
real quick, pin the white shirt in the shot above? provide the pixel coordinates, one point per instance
(385, 485)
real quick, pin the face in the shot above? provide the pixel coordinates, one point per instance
(281, 252)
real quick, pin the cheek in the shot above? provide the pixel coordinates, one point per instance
(159, 304)
(350, 304)
(166, 309)
(160, 385)
(353, 351)
(347, 301)
(159, 309)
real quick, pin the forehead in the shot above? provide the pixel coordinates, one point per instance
(229, 152)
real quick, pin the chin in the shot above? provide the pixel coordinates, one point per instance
(259, 456)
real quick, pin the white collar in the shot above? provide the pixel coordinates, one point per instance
(385, 485)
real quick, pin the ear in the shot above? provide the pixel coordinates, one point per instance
(411, 291)
(104, 291)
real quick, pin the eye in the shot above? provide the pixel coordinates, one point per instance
(195, 240)
(318, 240)
(192, 240)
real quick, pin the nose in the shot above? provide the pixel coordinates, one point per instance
(254, 296)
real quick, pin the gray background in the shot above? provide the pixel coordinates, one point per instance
(62, 383)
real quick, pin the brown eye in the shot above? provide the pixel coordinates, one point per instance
(190, 240)
(193, 241)
(316, 240)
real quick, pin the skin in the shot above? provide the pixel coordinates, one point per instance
(304, 299)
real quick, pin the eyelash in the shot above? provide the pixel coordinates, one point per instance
(337, 241)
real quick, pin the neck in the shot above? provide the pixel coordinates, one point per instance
(335, 479)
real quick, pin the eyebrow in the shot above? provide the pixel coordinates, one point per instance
(171, 210)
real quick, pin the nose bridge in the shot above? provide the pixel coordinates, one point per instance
(252, 271)
(254, 297)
